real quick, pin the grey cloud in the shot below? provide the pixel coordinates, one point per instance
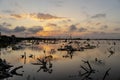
(102, 15)
(8, 11)
(4, 29)
(44, 16)
(51, 24)
(82, 29)
(117, 29)
(19, 29)
(72, 28)
(65, 21)
(35, 29)
(39, 16)
(104, 27)
(98, 23)
(8, 30)
(16, 16)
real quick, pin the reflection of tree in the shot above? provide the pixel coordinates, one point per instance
(45, 63)
(24, 57)
(5, 71)
(88, 71)
(85, 72)
(69, 54)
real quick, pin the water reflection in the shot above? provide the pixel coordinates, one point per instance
(45, 64)
(6, 71)
(62, 60)
(88, 71)
(69, 54)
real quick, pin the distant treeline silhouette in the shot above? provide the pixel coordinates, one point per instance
(8, 40)
(11, 40)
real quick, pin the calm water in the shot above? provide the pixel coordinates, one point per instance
(64, 66)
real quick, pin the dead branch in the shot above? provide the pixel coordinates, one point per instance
(106, 73)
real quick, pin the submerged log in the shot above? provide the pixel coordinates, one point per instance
(14, 71)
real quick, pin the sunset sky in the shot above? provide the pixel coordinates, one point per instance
(60, 18)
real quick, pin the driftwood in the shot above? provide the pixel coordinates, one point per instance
(106, 73)
(5, 70)
(14, 71)
(111, 51)
(36, 63)
(45, 64)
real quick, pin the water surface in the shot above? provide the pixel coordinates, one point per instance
(62, 65)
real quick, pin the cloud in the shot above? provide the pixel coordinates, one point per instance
(4, 29)
(35, 29)
(18, 16)
(35, 16)
(117, 29)
(52, 27)
(65, 21)
(98, 23)
(82, 29)
(8, 11)
(52, 24)
(6, 24)
(102, 15)
(52, 33)
(72, 28)
(44, 16)
(19, 29)
(104, 27)
(7, 30)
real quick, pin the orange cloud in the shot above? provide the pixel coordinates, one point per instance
(19, 16)
(50, 33)
(51, 24)
(36, 16)
(2, 16)
(51, 27)
(16, 15)
(60, 33)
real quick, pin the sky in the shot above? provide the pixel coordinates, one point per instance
(60, 18)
